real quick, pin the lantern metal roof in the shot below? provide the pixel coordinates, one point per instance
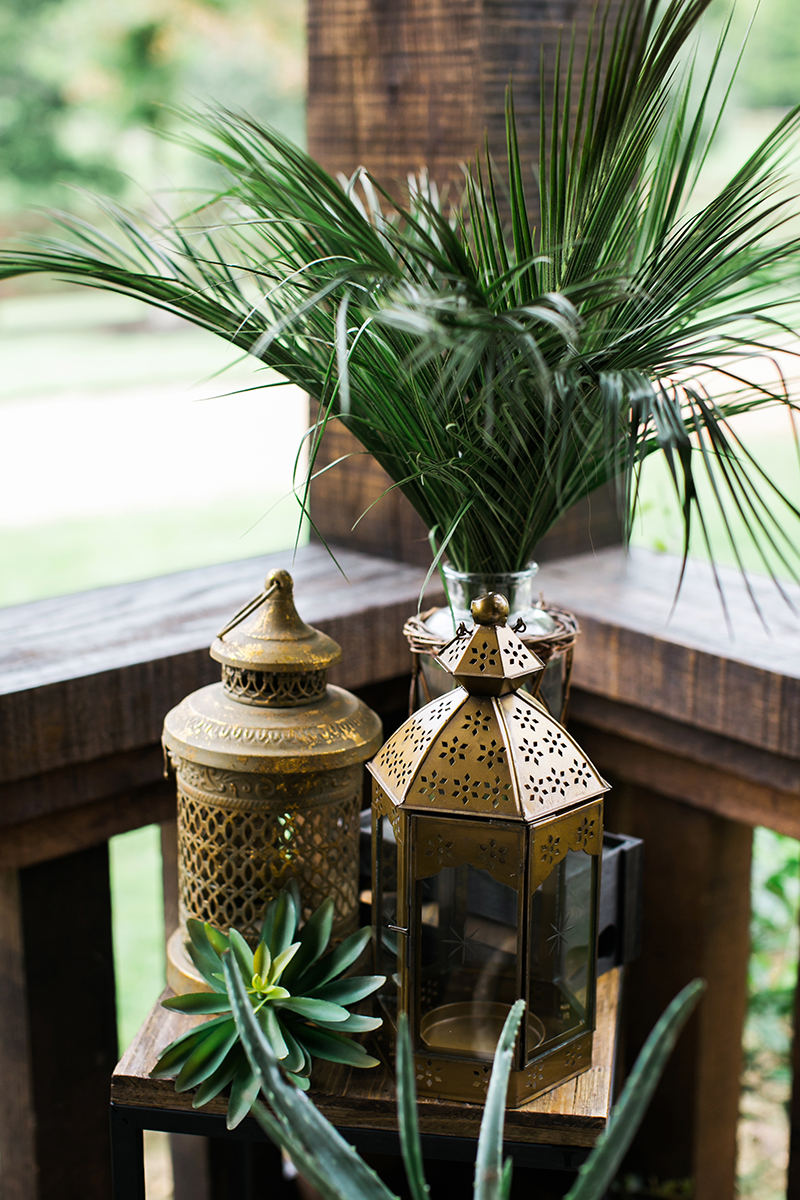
(486, 749)
(274, 710)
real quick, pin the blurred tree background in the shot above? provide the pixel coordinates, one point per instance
(84, 86)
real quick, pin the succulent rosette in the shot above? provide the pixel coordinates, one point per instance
(300, 997)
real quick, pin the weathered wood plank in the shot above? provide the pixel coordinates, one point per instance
(422, 83)
(17, 1120)
(702, 786)
(86, 825)
(572, 1115)
(86, 676)
(696, 917)
(686, 666)
(58, 1040)
(759, 768)
(44, 795)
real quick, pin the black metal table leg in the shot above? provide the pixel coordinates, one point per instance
(127, 1157)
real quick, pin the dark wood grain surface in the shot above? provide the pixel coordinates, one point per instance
(91, 675)
(684, 665)
(573, 1115)
(87, 679)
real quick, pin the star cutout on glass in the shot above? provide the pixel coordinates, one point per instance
(462, 942)
(558, 937)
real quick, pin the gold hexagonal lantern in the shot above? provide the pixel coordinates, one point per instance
(269, 766)
(487, 823)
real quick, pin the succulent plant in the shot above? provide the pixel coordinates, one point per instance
(298, 995)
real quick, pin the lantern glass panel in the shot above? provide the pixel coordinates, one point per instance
(562, 931)
(385, 908)
(468, 960)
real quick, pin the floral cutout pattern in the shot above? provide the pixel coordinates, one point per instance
(550, 849)
(439, 848)
(398, 759)
(428, 1072)
(586, 832)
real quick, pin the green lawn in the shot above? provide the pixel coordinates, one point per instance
(658, 526)
(125, 457)
(138, 915)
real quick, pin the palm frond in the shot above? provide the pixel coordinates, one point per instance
(500, 371)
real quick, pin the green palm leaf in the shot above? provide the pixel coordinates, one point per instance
(501, 370)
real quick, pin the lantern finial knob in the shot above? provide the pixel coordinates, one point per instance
(269, 655)
(489, 659)
(491, 609)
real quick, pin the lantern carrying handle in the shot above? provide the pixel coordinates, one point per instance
(250, 607)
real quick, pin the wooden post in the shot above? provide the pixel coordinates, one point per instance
(695, 924)
(395, 86)
(793, 1177)
(58, 1038)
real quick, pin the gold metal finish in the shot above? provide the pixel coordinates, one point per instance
(275, 640)
(555, 650)
(473, 1027)
(269, 767)
(487, 836)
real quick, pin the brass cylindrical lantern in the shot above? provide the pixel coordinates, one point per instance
(487, 835)
(269, 767)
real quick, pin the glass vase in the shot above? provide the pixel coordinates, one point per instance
(543, 634)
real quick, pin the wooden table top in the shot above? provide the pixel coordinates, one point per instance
(574, 1114)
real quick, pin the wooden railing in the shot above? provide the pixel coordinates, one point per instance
(699, 735)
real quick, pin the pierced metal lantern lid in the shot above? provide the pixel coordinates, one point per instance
(486, 749)
(275, 639)
(274, 709)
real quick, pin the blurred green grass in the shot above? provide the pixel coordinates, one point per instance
(138, 925)
(86, 362)
(74, 555)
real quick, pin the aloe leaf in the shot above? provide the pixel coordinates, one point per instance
(206, 1056)
(243, 955)
(268, 1020)
(322, 1043)
(596, 1174)
(210, 971)
(176, 1053)
(299, 1128)
(199, 938)
(355, 1023)
(217, 938)
(285, 923)
(334, 963)
(262, 960)
(506, 1178)
(244, 1089)
(281, 1134)
(407, 1119)
(269, 923)
(219, 1079)
(314, 1010)
(296, 1060)
(314, 937)
(489, 1159)
(198, 1002)
(281, 962)
(201, 952)
(347, 991)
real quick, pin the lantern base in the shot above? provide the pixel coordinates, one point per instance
(472, 1027)
(451, 1079)
(182, 975)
